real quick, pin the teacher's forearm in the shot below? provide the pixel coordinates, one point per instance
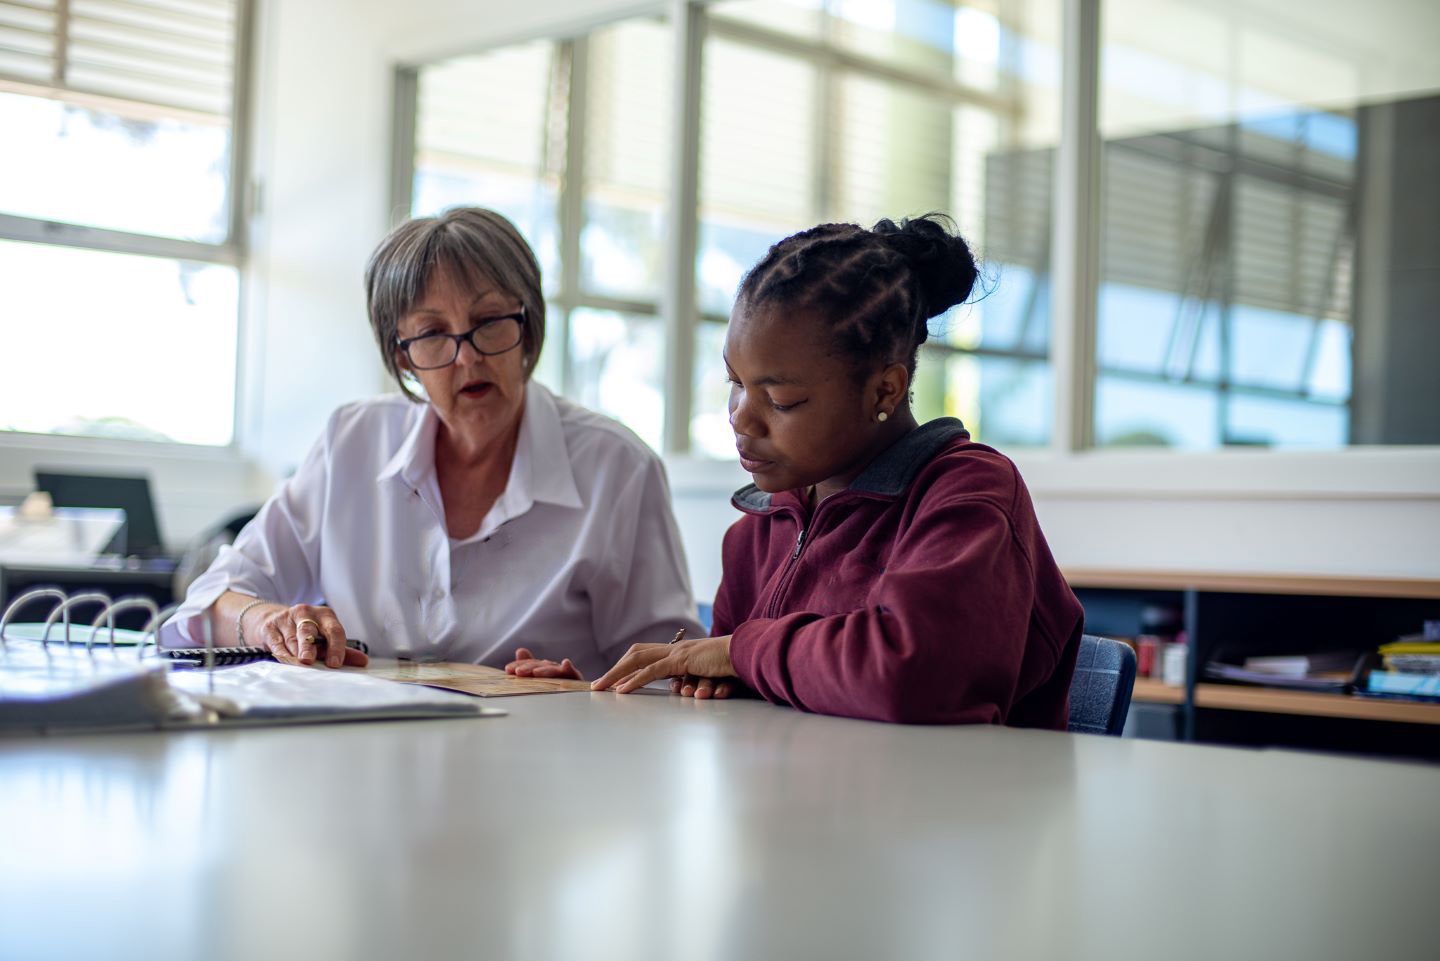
(224, 615)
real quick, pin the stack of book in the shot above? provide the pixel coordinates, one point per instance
(1410, 667)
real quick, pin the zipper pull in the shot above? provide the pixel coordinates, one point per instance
(799, 543)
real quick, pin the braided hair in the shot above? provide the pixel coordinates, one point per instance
(876, 289)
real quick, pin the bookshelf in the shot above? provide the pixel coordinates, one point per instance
(1150, 691)
(1235, 697)
(1233, 615)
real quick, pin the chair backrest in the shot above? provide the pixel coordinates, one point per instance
(1100, 691)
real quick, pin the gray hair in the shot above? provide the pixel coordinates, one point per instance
(470, 243)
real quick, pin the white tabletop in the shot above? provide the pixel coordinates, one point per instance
(594, 826)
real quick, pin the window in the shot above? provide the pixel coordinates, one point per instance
(1255, 178)
(807, 112)
(1257, 284)
(871, 110)
(597, 104)
(119, 254)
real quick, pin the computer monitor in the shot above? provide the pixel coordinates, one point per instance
(141, 533)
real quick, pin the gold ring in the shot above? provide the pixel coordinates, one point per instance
(307, 620)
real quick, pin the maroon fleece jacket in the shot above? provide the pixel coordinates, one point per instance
(924, 593)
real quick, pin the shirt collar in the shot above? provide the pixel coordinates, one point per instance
(540, 472)
(416, 456)
(542, 460)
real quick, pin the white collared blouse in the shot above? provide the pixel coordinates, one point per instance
(579, 557)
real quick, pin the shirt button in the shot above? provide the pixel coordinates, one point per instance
(439, 595)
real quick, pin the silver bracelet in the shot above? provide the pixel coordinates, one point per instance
(240, 622)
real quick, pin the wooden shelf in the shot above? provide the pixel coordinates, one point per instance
(1148, 690)
(1230, 697)
(1409, 587)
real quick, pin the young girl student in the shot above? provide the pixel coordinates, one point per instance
(883, 568)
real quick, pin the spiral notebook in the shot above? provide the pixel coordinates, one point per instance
(221, 656)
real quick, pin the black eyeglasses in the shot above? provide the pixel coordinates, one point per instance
(489, 337)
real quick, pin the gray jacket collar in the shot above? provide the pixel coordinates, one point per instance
(888, 475)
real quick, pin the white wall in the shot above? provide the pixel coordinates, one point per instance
(1370, 512)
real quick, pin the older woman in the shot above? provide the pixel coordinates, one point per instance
(491, 522)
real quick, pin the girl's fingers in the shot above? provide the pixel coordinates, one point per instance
(656, 669)
(634, 660)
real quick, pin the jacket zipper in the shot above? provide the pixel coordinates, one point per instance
(772, 609)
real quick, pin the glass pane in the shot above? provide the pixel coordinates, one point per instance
(1253, 244)
(1003, 401)
(894, 151)
(710, 433)
(109, 357)
(627, 148)
(618, 363)
(1153, 413)
(890, 148)
(474, 147)
(751, 197)
(797, 17)
(917, 34)
(1278, 422)
(139, 171)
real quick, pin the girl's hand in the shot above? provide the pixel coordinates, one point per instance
(528, 665)
(707, 657)
(701, 688)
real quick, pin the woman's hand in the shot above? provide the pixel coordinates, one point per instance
(293, 633)
(703, 657)
(528, 665)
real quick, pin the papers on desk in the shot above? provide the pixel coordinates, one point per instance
(58, 687)
(468, 678)
(267, 692)
(63, 687)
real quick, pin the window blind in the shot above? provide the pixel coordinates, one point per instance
(756, 140)
(1289, 246)
(627, 112)
(172, 54)
(502, 111)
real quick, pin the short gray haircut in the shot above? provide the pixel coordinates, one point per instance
(471, 244)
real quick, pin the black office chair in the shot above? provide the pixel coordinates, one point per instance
(1100, 691)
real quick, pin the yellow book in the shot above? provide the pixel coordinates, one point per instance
(1411, 647)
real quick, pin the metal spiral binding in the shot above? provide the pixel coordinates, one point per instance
(152, 628)
(108, 616)
(90, 597)
(61, 612)
(25, 599)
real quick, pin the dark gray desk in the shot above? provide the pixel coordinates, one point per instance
(592, 826)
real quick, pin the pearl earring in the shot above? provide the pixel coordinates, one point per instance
(882, 417)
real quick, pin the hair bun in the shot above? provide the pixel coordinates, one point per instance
(944, 268)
